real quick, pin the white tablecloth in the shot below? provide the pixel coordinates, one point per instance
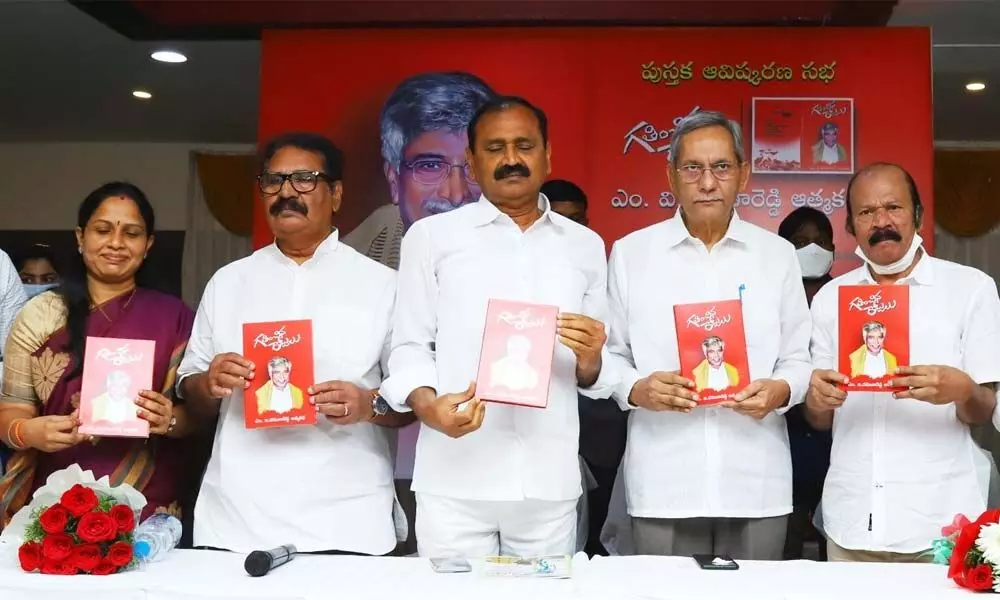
(202, 575)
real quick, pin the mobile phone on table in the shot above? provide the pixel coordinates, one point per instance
(716, 562)
(450, 565)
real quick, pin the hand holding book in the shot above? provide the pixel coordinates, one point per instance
(53, 433)
(760, 398)
(935, 384)
(665, 391)
(825, 393)
(155, 408)
(446, 413)
(227, 372)
(585, 337)
(341, 402)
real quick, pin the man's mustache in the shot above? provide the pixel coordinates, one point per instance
(505, 171)
(884, 235)
(289, 203)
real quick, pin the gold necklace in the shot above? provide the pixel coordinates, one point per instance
(100, 307)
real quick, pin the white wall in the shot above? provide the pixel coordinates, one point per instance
(42, 184)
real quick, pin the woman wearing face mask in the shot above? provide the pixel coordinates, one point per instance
(38, 270)
(101, 297)
(811, 232)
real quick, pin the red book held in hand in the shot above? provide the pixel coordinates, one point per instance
(516, 358)
(713, 349)
(874, 332)
(282, 354)
(114, 371)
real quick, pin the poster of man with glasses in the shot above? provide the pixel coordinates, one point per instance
(423, 133)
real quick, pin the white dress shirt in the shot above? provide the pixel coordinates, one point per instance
(900, 470)
(12, 298)
(451, 265)
(875, 364)
(713, 461)
(319, 487)
(830, 154)
(718, 379)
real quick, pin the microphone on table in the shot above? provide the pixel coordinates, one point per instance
(260, 562)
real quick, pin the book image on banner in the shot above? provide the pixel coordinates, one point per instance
(874, 335)
(803, 136)
(114, 371)
(713, 349)
(282, 352)
(515, 362)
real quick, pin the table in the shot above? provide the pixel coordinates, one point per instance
(204, 575)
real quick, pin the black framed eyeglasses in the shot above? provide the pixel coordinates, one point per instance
(433, 171)
(692, 172)
(302, 182)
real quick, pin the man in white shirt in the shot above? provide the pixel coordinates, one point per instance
(325, 487)
(904, 464)
(716, 479)
(512, 486)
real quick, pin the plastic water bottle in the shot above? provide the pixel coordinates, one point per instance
(156, 536)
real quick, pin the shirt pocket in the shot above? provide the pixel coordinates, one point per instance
(762, 326)
(348, 342)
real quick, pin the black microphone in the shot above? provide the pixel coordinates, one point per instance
(260, 562)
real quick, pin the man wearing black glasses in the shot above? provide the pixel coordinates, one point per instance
(707, 479)
(326, 487)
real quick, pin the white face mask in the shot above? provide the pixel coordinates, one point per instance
(900, 265)
(814, 260)
(33, 289)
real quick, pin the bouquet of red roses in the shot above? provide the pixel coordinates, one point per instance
(972, 551)
(83, 533)
(74, 524)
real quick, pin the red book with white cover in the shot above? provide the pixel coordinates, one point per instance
(114, 371)
(282, 354)
(515, 363)
(874, 335)
(713, 349)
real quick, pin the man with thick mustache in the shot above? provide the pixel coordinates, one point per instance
(325, 487)
(883, 499)
(502, 480)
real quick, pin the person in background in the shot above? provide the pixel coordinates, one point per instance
(715, 479)
(603, 424)
(325, 487)
(37, 268)
(503, 480)
(811, 232)
(43, 370)
(904, 464)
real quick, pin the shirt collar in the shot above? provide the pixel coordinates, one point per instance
(922, 274)
(483, 212)
(677, 231)
(325, 248)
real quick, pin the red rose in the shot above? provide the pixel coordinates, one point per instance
(120, 554)
(57, 547)
(990, 516)
(104, 568)
(966, 539)
(79, 500)
(85, 557)
(124, 518)
(54, 519)
(30, 555)
(96, 527)
(980, 578)
(57, 567)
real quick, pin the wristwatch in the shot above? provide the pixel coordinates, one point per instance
(379, 405)
(173, 423)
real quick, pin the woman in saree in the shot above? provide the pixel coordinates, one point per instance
(43, 364)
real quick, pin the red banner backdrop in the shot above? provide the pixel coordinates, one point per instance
(613, 97)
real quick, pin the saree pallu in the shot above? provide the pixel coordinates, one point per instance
(39, 369)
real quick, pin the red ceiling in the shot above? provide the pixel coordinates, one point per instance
(228, 19)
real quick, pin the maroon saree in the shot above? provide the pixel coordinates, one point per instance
(38, 365)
